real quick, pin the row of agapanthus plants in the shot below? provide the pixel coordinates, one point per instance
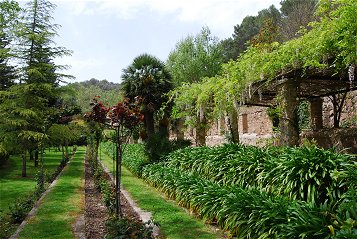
(122, 118)
(255, 192)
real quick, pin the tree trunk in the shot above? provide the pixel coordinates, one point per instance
(67, 153)
(149, 123)
(180, 135)
(233, 126)
(31, 155)
(201, 132)
(24, 165)
(338, 102)
(163, 126)
(118, 162)
(36, 158)
(289, 121)
(63, 156)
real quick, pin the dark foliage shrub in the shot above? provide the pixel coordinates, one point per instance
(21, 208)
(157, 146)
(3, 158)
(180, 144)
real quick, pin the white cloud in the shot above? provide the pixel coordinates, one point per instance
(218, 14)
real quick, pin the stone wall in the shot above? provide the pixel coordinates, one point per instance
(258, 121)
(349, 111)
(344, 139)
(255, 127)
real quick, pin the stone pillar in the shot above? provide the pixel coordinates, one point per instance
(179, 130)
(316, 122)
(233, 127)
(222, 126)
(289, 132)
(244, 123)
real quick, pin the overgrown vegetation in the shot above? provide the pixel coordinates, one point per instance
(260, 192)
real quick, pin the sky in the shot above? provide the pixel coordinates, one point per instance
(106, 35)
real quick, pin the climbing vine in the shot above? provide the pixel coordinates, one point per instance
(331, 42)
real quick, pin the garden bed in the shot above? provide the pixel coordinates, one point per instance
(96, 213)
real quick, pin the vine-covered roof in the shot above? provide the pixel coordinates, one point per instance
(311, 84)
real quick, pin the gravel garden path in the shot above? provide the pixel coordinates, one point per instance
(96, 213)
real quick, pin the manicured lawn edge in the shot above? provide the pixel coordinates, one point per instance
(174, 221)
(15, 186)
(61, 205)
(20, 194)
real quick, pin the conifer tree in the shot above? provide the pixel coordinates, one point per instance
(38, 50)
(26, 109)
(9, 11)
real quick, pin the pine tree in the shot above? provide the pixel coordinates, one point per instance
(7, 72)
(27, 108)
(9, 11)
(38, 49)
(21, 117)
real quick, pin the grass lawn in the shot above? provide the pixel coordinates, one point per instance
(13, 186)
(62, 205)
(174, 222)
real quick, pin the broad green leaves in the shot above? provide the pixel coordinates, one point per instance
(262, 193)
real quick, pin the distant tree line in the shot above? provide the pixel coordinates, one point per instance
(283, 25)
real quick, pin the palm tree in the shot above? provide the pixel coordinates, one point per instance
(147, 78)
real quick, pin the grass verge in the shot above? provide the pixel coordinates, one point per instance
(62, 204)
(174, 222)
(14, 186)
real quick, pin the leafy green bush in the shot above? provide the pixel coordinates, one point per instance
(108, 193)
(20, 209)
(244, 212)
(120, 228)
(307, 173)
(346, 219)
(229, 164)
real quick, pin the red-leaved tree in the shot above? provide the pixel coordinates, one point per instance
(123, 117)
